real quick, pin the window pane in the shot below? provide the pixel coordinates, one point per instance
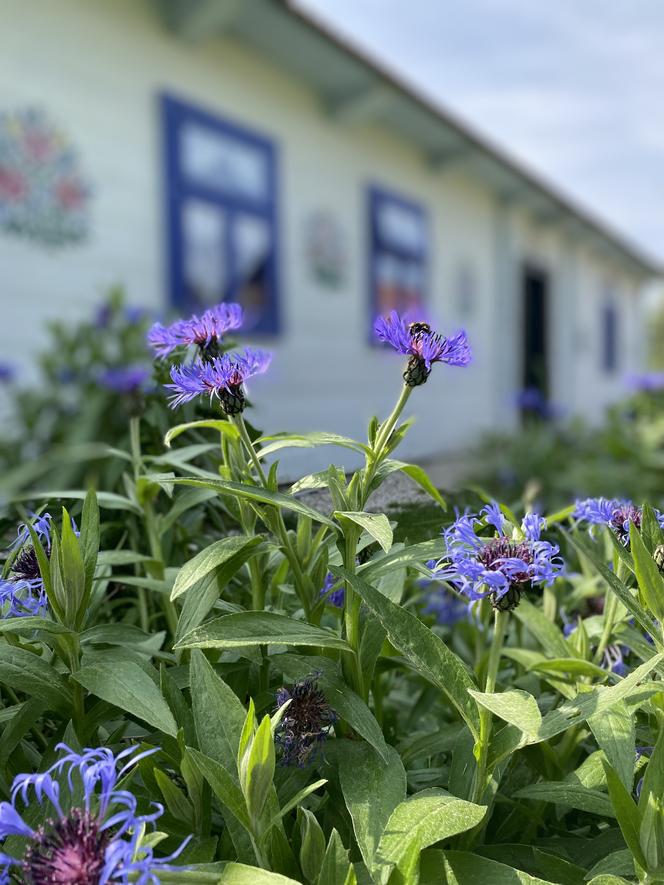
(224, 162)
(610, 336)
(204, 267)
(400, 227)
(399, 283)
(252, 263)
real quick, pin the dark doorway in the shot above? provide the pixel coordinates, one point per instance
(535, 376)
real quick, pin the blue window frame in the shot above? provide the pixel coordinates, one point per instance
(609, 337)
(398, 253)
(221, 215)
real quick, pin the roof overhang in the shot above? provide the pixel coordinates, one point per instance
(355, 89)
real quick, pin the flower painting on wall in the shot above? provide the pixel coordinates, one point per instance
(43, 195)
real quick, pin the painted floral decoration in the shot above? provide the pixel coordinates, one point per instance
(43, 195)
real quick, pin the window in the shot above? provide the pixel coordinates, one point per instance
(609, 337)
(398, 254)
(221, 199)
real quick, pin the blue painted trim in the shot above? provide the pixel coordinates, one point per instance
(175, 113)
(377, 195)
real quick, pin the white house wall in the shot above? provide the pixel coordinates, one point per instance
(98, 68)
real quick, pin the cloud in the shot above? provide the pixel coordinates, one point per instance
(572, 88)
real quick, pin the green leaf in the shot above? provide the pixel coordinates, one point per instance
(218, 712)
(626, 811)
(223, 785)
(222, 426)
(514, 706)
(545, 631)
(73, 572)
(618, 863)
(296, 799)
(219, 717)
(372, 790)
(575, 711)
(240, 874)
(423, 648)
(176, 802)
(417, 474)
(108, 500)
(90, 540)
(423, 819)
(244, 629)
(312, 844)
(251, 493)
(375, 524)
(570, 795)
(623, 593)
(335, 866)
(231, 553)
(399, 556)
(128, 686)
(308, 441)
(615, 733)
(651, 583)
(28, 625)
(464, 868)
(571, 666)
(22, 670)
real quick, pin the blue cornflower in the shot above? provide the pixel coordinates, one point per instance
(25, 566)
(93, 832)
(125, 379)
(306, 723)
(205, 331)
(222, 377)
(422, 346)
(7, 373)
(648, 382)
(616, 513)
(614, 662)
(20, 599)
(500, 567)
(336, 597)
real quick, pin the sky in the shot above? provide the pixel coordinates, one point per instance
(575, 88)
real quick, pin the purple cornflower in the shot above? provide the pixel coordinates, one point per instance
(336, 597)
(205, 331)
(501, 567)
(124, 379)
(93, 833)
(222, 377)
(306, 723)
(422, 346)
(615, 513)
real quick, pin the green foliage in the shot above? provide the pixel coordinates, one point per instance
(184, 613)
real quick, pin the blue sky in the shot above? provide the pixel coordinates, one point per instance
(573, 87)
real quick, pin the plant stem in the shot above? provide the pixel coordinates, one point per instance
(500, 623)
(281, 530)
(378, 452)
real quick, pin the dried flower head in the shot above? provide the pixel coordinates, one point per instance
(305, 724)
(422, 346)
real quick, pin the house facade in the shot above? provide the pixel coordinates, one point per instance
(240, 150)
